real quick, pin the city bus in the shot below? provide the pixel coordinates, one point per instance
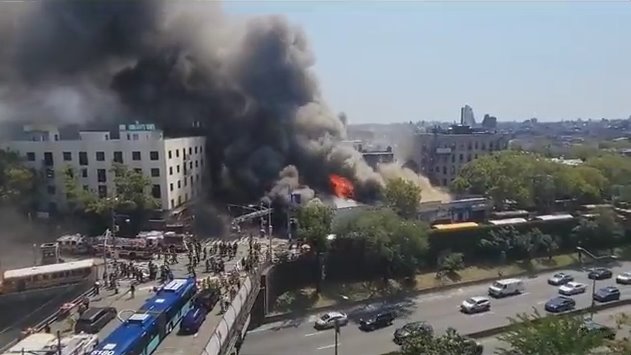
(35, 277)
(141, 333)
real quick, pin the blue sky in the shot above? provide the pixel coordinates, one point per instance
(398, 61)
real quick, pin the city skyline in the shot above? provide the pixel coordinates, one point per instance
(513, 60)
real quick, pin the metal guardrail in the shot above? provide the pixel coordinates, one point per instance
(47, 321)
(223, 338)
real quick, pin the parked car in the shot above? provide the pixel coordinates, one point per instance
(193, 320)
(560, 304)
(94, 319)
(475, 305)
(560, 278)
(599, 273)
(328, 320)
(411, 330)
(624, 278)
(381, 320)
(607, 294)
(572, 288)
(206, 299)
(591, 326)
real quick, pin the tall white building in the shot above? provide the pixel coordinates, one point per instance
(174, 165)
(466, 116)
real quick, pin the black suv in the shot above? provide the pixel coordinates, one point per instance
(381, 320)
(206, 299)
(599, 273)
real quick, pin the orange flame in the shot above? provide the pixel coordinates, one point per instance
(342, 187)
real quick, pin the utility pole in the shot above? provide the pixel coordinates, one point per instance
(337, 331)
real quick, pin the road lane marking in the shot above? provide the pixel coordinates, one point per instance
(315, 333)
(328, 346)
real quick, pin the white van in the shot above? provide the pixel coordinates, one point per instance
(507, 287)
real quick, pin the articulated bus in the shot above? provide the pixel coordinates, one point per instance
(141, 333)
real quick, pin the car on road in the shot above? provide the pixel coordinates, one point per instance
(599, 273)
(507, 287)
(381, 320)
(607, 294)
(411, 330)
(591, 326)
(560, 304)
(193, 320)
(327, 320)
(206, 299)
(572, 288)
(624, 278)
(94, 319)
(560, 278)
(475, 305)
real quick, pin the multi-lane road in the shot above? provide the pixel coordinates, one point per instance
(440, 309)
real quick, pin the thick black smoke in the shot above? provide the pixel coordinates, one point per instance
(248, 85)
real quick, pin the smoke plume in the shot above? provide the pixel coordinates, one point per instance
(247, 84)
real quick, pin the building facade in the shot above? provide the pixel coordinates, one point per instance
(175, 166)
(441, 154)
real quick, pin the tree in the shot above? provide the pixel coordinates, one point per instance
(383, 240)
(403, 196)
(536, 334)
(17, 183)
(131, 196)
(314, 224)
(450, 263)
(449, 343)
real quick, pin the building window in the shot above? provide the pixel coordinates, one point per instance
(185, 181)
(51, 189)
(195, 149)
(135, 136)
(155, 191)
(170, 170)
(191, 180)
(177, 153)
(179, 184)
(172, 203)
(190, 165)
(190, 151)
(118, 157)
(171, 187)
(101, 175)
(30, 156)
(461, 157)
(469, 157)
(100, 156)
(196, 164)
(155, 172)
(102, 191)
(179, 200)
(48, 159)
(184, 166)
(445, 170)
(67, 156)
(177, 168)
(84, 172)
(138, 171)
(170, 155)
(83, 158)
(50, 173)
(453, 169)
(184, 153)
(153, 155)
(135, 155)
(476, 144)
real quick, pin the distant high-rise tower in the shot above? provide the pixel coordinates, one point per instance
(466, 116)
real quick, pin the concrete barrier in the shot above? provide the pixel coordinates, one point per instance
(404, 295)
(577, 312)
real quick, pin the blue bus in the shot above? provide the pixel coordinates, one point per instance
(141, 333)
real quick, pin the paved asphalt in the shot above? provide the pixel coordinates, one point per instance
(441, 310)
(606, 317)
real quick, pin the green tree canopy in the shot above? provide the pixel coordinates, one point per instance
(131, 195)
(449, 343)
(536, 334)
(403, 196)
(17, 183)
(400, 246)
(314, 223)
(529, 179)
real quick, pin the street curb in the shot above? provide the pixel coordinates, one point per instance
(402, 295)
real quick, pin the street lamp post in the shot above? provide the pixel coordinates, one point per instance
(337, 331)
